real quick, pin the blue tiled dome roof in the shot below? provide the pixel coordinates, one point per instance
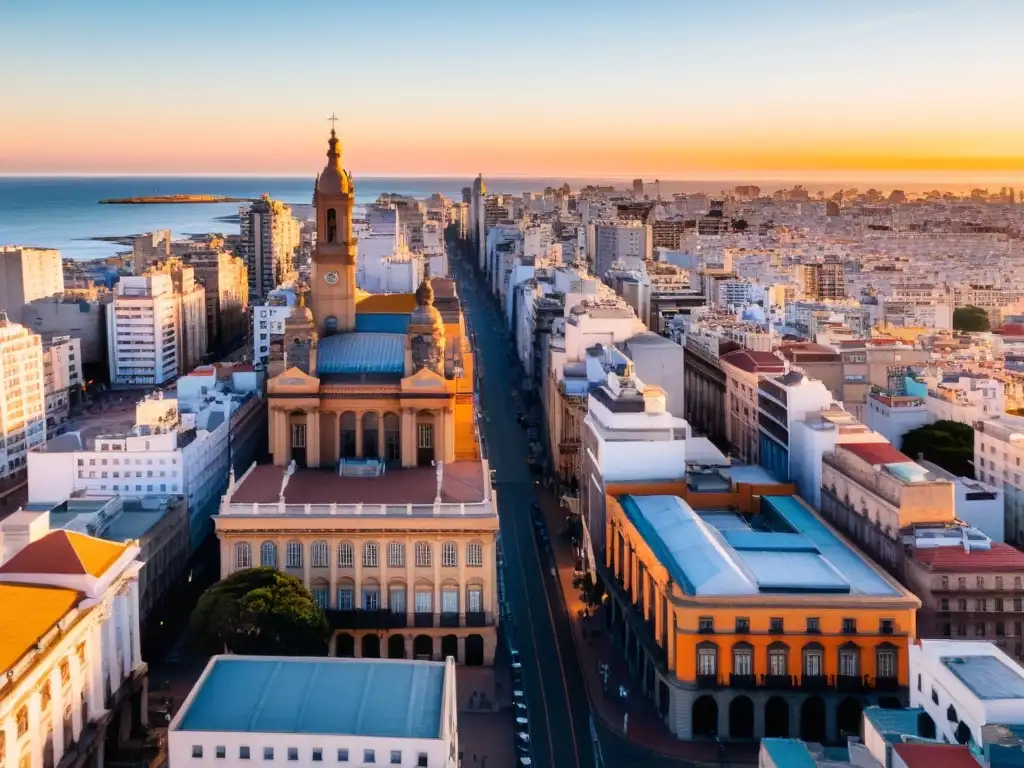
(361, 353)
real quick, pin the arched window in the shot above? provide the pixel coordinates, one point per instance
(707, 660)
(332, 226)
(318, 553)
(243, 555)
(475, 554)
(422, 554)
(330, 325)
(346, 557)
(370, 554)
(849, 660)
(886, 658)
(294, 555)
(743, 659)
(268, 554)
(449, 555)
(813, 660)
(396, 554)
(778, 660)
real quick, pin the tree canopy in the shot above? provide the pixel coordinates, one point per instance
(259, 611)
(970, 319)
(949, 444)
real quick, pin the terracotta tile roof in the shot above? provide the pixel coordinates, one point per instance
(388, 303)
(935, 756)
(65, 552)
(38, 609)
(463, 482)
(755, 362)
(1001, 557)
(875, 453)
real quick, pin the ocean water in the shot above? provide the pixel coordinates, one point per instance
(64, 212)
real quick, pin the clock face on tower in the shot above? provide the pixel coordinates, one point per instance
(331, 277)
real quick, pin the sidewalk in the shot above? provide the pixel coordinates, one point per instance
(645, 727)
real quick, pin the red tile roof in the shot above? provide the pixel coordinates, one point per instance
(755, 362)
(463, 483)
(67, 553)
(1001, 557)
(935, 756)
(875, 453)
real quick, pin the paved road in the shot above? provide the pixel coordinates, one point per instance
(554, 687)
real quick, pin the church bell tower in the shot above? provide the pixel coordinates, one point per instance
(333, 273)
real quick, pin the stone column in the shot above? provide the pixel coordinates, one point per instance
(307, 557)
(408, 438)
(332, 564)
(35, 729)
(380, 434)
(758, 716)
(449, 434)
(134, 617)
(313, 437)
(57, 712)
(227, 559)
(121, 603)
(359, 434)
(110, 650)
(440, 446)
(10, 729)
(336, 420)
(357, 574)
(410, 582)
(436, 607)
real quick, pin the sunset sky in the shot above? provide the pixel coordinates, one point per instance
(672, 89)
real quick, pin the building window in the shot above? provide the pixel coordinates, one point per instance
(450, 600)
(221, 752)
(814, 661)
(342, 755)
(474, 600)
(369, 756)
(849, 626)
(243, 753)
(293, 754)
(22, 720)
(775, 626)
(706, 624)
(885, 663)
(396, 757)
(319, 553)
(294, 554)
(424, 601)
(243, 555)
(268, 753)
(449, 555)
(849, 662)
(346, 598)
(945, 582)
(318, 755)
(999, 582)
(742, 626)
(424, 435)
(742, 660)
(944, 604)
(707, 661)
(421, 760)
(979, 605)
(980, 581)
(475, 554)
(813, 625)
(268, 554)
(778, 665)
(345, 555)
(396, 598)
(396, 554)
(422, 554)
(320, 597)
(370, 554)
(197, 750)
(961, 582)
(371, 599)
(298, 435)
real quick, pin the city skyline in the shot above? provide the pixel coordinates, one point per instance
(670, 90)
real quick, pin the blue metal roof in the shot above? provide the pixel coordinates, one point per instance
(352, 697)
(789, 753)
(901, 721)
(382, 322)
(988, 677)
(361, 353)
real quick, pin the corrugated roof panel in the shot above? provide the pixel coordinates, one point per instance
(361, 353)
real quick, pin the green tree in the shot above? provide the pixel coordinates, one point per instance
(970, 319)
(949, 444)
(259, 611)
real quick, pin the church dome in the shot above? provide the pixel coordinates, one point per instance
(334, 179)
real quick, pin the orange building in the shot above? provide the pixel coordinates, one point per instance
(754, 618)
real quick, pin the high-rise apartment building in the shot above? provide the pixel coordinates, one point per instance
(226, 280)
(191, 309)
(27, 274)
(142, 331)
(62, 380)
(270, 236)
(824, 280)
(629, 242)
(22, 399)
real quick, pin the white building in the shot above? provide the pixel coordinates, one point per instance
(895, 415)
(142, 331)
(27, 274)
(268, 320)
(22, 395)
(976, 503)
(998, 460)
(77, 652)
(167, 453)
(965, 685)
(966, 398)
(312, 711)
(628, 435)
(781, 402)
(62, 380)
(628, 242)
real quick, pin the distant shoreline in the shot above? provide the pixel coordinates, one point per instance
(174, 200)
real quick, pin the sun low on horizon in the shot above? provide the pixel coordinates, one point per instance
(669, 89)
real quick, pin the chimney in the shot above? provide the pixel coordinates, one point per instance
(21, 529)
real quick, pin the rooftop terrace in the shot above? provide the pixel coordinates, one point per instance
(381, 698)
(785, 549)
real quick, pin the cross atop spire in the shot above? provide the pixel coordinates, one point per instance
(333, 119)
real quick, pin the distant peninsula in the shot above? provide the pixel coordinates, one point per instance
(174, 200)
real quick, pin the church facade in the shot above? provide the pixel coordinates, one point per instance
(377, 496)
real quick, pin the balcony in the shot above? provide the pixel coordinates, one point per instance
(449, 620)
(423, 620)
(887, 684)
(815, 682)
(850, 683)
(476, 619)
(367, 619)
(777, 682)
(707, 681)
(743, 681)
